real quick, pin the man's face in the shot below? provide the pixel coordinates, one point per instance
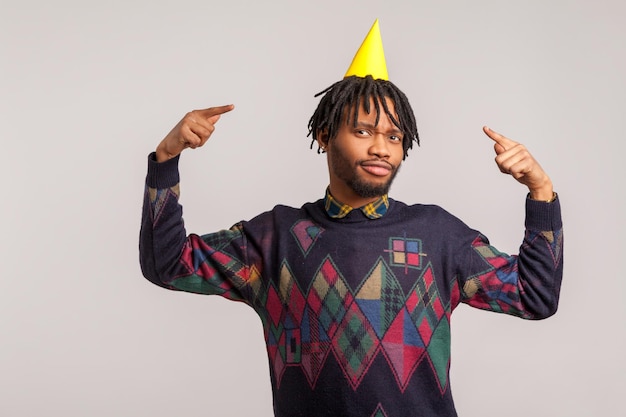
(364, 159)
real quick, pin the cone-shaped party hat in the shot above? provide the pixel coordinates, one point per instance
(370, 58)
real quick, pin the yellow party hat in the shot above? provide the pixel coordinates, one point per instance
(370, 58)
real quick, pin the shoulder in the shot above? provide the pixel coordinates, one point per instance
(283, 214)
(429, 216)
(426, 210)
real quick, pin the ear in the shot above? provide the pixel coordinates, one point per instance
(322, 138)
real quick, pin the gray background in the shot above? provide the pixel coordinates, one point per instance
(89, 88)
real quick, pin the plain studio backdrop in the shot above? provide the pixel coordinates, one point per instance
(88, 89)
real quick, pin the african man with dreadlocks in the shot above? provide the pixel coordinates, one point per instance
(355, 291)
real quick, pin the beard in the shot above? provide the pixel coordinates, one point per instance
(349, 174)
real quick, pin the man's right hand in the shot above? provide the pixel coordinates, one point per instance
(191, 132)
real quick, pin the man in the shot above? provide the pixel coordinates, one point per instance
(355, 291)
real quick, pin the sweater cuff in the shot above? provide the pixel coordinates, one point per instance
(162, 174)
(543, 216)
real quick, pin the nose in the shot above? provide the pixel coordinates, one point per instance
(379, 146)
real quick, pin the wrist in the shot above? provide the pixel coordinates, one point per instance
(548, 195)
(545, 200)
(162, 155)
(545, 192)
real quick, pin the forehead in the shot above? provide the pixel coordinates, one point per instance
(371, 109)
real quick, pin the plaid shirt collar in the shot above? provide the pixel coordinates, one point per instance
(337, 210)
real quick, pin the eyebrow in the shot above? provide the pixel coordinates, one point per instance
(371, 126)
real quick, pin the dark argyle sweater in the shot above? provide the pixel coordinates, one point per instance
(355, 311)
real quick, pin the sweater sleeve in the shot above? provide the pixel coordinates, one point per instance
(209, 264)
(526, 285)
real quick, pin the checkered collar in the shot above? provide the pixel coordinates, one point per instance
(337, 210)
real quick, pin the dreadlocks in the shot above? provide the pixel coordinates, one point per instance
(348, 94)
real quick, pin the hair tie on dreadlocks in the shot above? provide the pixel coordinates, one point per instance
(349, 93)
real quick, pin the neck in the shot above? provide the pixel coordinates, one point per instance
(349, 197)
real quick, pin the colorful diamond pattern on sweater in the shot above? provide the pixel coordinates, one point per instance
(424, 305)
(202, 276)
(403, 347)
(306, 234)
(439, 352)
(315, 346)
(255, 283)
(380, 319)
(380, 297)
(329, 297)
(498, 282)
(275, 333)
(275, 340)
(291, 295)
(285, 310)
(355, 344)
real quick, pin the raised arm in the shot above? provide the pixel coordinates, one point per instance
(527, 284)
(166, 252)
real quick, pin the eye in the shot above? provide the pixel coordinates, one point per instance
(362, 132)
(395, 138)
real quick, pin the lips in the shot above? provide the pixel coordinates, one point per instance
(377, 167)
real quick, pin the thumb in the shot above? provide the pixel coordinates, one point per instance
(498, 148)
(213, 119)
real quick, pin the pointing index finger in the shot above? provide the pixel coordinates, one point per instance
(501, 140)
(216, 111)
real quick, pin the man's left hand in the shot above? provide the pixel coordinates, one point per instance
(514, 159)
